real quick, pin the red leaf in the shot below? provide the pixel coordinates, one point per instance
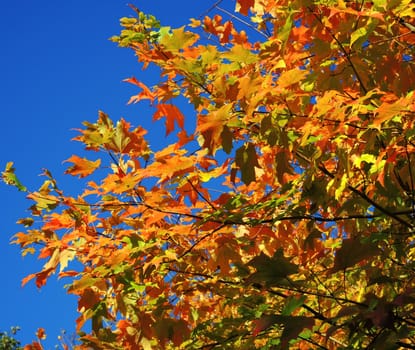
(263, 323)
(243, 6)
(34, 346)
(41, 277)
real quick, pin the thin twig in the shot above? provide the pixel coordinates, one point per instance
(410, 176)
(242, 21)
(210, 8)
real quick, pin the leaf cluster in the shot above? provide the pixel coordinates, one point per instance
(282, 213)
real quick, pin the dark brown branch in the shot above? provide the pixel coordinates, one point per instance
(201, 194)
(253, 222)
(346, 54)
(319, 295)
(311, 341)
(315, 313)
(404, 345)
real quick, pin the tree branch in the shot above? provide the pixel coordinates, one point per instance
(359, 193)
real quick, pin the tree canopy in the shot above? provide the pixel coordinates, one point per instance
(8, 342)
(279, 214)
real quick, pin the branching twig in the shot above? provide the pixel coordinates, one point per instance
(201, 194)
(210, 8)
(359, 193)
(187, 251)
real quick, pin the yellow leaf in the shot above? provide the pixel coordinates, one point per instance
(178, 39)
(239, 53)
(387, 111)
(64, 258)
(53, 261)
(291, 77)
(340, 189)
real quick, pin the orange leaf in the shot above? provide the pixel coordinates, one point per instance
(28, 278)
(68, 274)
(145, 94)
(41, 333)
(82, 166)
(183, 139)
(41, 277)
(172, 114)
(58, 221)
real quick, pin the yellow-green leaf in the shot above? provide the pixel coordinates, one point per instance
(10, 178)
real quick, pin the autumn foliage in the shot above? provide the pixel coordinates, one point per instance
(282, 213)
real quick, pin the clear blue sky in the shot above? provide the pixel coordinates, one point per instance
(58, 68)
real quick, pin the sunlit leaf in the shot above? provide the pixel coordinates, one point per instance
(82, 166)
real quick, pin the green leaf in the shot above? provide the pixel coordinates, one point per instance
(366, 157)
(292, 304)
(293, 326)
(10, 178)
(227, 138)
(140, 288)
(351, 252)
(360, 35)
(285, 30)
(271, 271)
(246, 160)
(83, 283)
(341, 187)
